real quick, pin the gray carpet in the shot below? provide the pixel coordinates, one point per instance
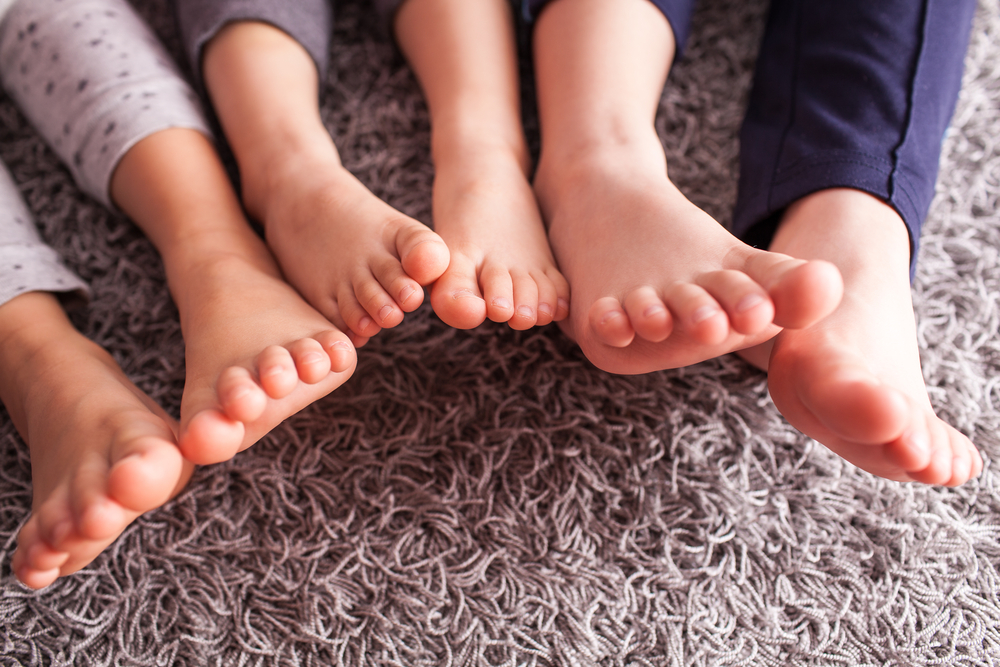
(489, 498)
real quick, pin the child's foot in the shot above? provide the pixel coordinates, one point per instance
(358, 261)
(853, 381)
(656, 283)
(501, 265)
(102, 452)
(256, 353)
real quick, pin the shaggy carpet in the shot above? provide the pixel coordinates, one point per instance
(488, 497)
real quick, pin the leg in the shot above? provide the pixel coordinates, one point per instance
(464, 54)
(255, 352)
(655, 282)
(355, 259)
(853, 381)
(102, 452)
(850, 181)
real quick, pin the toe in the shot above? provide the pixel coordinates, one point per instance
(498, 291)
(240, 397)
(548, 298)
(381, 307)
(146, 474)
(747, 305)
(337, 345)
(276, 371)
(648, 314)
(694, 309)
(610, 323)
(312, 363)
(405, 292)
(803, 292)
(456, 298)
(355, 316)
(211, 437)
(96, 516)
(423, 255)
(525, 301)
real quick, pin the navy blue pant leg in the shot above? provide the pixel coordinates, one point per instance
(678, 13)
(856, 94)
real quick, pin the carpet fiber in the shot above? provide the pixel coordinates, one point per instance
(488, 497)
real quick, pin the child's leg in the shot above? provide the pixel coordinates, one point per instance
(102, 452)
(464, 53)
(655, 282)
(256, 352)
(860, 122)
(853, 381)
(354, 258)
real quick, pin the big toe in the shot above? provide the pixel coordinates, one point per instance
(456, 298)
(423, 255)
(803, 292)
(211, 437)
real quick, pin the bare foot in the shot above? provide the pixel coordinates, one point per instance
(358, 261)
(102, 452)
(256, 352)
(853, 381)
(656, 283)
(501, 265)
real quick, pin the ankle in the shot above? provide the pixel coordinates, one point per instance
(276, 165)
(470, 151)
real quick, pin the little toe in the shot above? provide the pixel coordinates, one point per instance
(456, 298)
(32, 553)
(610, 323)
(312, 363)
(276, 371)
(694, 309)
(423, 255)
(240, 396)
(648, 314)
(747, 305)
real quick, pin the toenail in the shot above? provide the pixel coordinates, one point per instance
(562, 304)
(545, 309)
(341, 344)
(502, 302)
(365, 323)
(465, 294)
(610, 315)
(406, 293)
(525, 312)
(919, 443)
(272, 370)
(704, 313)
(384, 312)
(653, 310)
(748, 302)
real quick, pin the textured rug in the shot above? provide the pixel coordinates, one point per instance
(489, 498)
